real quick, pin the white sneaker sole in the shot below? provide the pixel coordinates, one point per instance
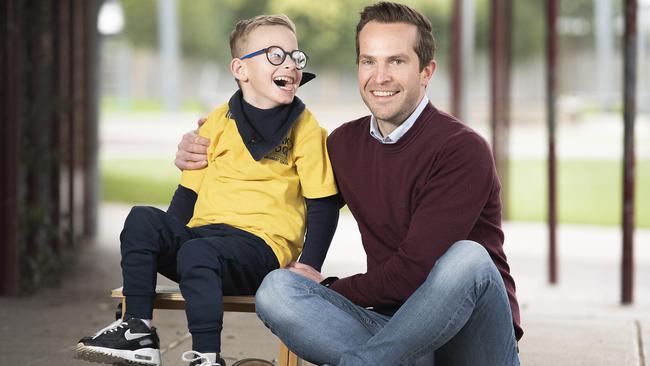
(143, 356)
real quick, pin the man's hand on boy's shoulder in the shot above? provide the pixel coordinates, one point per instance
(192, 150)
(305, 270)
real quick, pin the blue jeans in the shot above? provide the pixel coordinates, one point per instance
(460, 315)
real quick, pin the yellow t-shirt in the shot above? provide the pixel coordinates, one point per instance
(262, 197)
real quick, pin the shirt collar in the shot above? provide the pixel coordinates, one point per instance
(394, 136)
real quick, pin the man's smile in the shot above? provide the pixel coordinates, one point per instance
(384, 93)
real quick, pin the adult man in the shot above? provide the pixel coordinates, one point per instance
(424, 191)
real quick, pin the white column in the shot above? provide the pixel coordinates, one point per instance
(467, 50)
(604, 34)
(169, 53)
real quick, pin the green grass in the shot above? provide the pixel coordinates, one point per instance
(589, 192)
(139, 181)
(113, 105)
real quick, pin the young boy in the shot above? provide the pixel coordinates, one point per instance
(246, 209)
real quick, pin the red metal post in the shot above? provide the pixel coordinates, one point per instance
(629, 115)
(45, 63)
(63, 117)
(500, 31)
(551, 92)
(10, 86)
(91, 130)
(76, 136)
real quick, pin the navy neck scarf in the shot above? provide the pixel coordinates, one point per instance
(262, 130)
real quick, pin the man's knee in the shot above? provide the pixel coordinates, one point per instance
(273, 288)
(465, 261)
(271, 297)
(471, 253)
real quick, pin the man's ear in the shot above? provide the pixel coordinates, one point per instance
(427, 72)
(238, 69)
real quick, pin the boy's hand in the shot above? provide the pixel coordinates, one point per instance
(192, 150)
(305, 271)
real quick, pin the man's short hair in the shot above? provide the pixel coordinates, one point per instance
(388, 12)
(243, 28)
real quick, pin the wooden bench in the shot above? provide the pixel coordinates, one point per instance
(169, 297)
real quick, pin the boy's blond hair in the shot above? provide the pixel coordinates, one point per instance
(239, 35)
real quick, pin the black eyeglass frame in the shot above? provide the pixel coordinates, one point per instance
(293, 54)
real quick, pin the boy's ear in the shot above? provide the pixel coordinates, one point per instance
(238, 69)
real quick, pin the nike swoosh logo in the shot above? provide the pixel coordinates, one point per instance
(131, 336)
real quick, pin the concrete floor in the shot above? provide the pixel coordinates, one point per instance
(577, 322)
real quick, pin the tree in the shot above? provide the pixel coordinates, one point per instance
(326, 29)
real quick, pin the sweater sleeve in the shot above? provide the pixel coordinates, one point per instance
(182, 204)
(447, 206)
(322, 219)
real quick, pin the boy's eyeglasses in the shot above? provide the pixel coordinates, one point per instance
(276, 56)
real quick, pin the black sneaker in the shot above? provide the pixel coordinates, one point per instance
(200, 359)
(129, 342)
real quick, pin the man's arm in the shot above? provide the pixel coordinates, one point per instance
(192, 150)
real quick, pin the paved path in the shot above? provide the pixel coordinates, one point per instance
(577, 322)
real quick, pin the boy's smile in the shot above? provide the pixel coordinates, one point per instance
(285, 83)
(263, 84)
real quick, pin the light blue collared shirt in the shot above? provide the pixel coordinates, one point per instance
(397, 134)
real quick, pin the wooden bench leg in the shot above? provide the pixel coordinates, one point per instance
(294, 360)
(288, 358)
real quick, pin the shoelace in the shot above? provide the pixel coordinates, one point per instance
(198, 356)
(111, 327)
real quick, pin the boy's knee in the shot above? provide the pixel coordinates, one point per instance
(194, 253)
(141, 222)
(136, 227)
(137, 216)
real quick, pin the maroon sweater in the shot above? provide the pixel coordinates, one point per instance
(413, 199)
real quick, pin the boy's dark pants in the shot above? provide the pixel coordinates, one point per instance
(208, 262)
